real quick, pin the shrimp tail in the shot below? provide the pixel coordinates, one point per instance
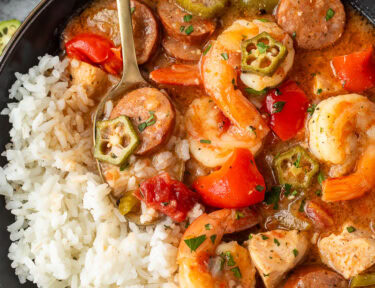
(344, 188)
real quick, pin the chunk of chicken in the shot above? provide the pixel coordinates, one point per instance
(349, 253)
(93, 79)
(276, 252)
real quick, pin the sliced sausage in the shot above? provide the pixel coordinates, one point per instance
(102, 18)
(145, 32)
(315, 277)
(318, 215)
(182, 51)
(315, 23)
(195, 30)
(152, 115)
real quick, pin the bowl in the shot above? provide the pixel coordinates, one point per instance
(38, 35)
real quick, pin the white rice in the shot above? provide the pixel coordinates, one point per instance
(67, 233)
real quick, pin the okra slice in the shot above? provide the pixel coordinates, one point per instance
(262, 54)
(296, 167)
(7, 30)
(203, 8)
(115, 141)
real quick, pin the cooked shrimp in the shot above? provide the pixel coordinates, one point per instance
(342, 133)
(198, 265)
(212, 137)
(220, 76)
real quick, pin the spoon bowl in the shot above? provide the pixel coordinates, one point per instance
(131, 79)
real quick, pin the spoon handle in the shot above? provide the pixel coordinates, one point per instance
(130, 72)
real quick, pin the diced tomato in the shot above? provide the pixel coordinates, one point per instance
(168, 196)
(236, 184)
(97, 50)
(287, 106)
(177, 74)
(356, 70)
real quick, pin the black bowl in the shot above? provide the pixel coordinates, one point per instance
(39, 35)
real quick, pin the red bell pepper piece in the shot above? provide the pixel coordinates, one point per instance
(236, 184)
(168, 196)
(287, 106)
(177, 74)
(356, 70)
(96, 50)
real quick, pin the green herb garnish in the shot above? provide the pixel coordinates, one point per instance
(189, 30)
(278, 106)
(330, 14)
(194, 243)
(187, 17)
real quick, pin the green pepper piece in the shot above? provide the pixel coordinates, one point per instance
(7, 30)
(127, 203)
(203, 8)
(363, 280)
(262, 54)
(296, 167)
(115, 140)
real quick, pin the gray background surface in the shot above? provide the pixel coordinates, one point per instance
(16, 9)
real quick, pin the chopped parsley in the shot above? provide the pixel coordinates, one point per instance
(273, 197)
(149, 122)
(320, 177)
(319, 91)
(278, 92)
(276, 242)
(311, 109)
(287, 189)
(252, 128)
(187, 224)
(262, 48)
(263, 20)
(351, 229)
(132, 10)
(250, 236)
(207, 49)
(205, 141)
(189, 30)
(264, 237)
(295, 252)
(230, 260)
(294, 34)
(259, 188)
(237, 273)
(187, 17)
(225, 55)
(213, 238)
(298, 161)
(330, 13)
(278, 106)
(194, 243)
(182, 28)
(239, 215)
(165, 203)
(207, 226)
(318, 193)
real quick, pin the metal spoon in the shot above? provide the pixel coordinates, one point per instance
(131, 77)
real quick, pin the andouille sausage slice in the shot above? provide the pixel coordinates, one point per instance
(193, 29)
(315, 277)
(182, 50)
(152, 115)
(145, 32)
(314, 23)
(101, 18)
